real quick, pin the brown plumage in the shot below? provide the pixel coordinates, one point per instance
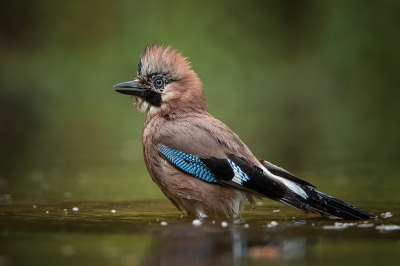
(185, 92)
(197, 161)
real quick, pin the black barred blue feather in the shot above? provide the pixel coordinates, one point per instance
(237, 173)
(230, 172)
(188, 163)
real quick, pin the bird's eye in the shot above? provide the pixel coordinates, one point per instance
(159, 83)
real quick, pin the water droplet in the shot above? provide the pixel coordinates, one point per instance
(196, 222)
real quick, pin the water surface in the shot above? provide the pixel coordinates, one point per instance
(154, 233)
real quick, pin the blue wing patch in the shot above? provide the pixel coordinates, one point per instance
(188, 163)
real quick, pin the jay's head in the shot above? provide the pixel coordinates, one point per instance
(165, 83)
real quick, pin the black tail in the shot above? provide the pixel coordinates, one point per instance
(328, 205)
(315, 201)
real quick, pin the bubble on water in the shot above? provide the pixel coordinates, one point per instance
(75, 209)
(329, 227)
(272, 224)
(365, 225)
(113, 211)
(196, 222)
(336, 226)
(386, 215)
(224, 224)
(388, 227)
(164, 223)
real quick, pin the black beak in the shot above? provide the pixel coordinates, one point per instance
(130, 88)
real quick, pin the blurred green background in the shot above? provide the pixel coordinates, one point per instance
(312, 86)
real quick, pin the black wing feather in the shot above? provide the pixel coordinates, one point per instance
(276, 170)
(255, 181)
(259, 183)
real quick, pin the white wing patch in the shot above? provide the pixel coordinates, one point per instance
(290, 184)
(240, 176)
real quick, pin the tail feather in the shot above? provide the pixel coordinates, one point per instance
(302, 195)
(328, 205)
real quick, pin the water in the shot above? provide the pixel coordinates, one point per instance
(108, 212)
(153, 233)
(314, 93)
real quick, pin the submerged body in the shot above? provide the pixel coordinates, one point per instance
(201, 166)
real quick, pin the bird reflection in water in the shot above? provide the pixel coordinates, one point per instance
(211, 245)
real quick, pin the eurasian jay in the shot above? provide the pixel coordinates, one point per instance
(200, 165)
